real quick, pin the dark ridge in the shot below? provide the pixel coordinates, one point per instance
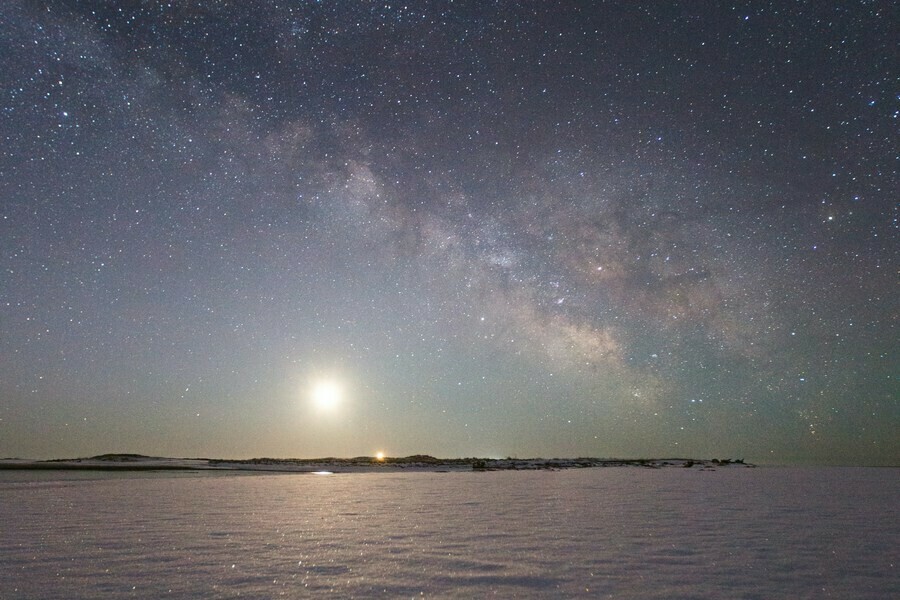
(120, 457)
(417, 458)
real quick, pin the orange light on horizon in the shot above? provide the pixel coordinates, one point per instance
(379, 455)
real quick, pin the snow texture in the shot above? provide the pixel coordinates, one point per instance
(593, 533)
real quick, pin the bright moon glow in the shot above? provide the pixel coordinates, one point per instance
(326, 394)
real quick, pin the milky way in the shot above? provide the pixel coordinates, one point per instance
(609, 229)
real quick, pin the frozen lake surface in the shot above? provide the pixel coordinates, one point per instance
(599, 533)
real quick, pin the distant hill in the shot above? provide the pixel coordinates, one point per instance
(121, 457)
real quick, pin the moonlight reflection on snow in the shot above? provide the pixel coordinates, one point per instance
(626, 533)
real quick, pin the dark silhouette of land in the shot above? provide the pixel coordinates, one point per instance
(417, 462)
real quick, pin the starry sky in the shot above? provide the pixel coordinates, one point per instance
(612, 229)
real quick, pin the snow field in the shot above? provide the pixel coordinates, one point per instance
(598, 533)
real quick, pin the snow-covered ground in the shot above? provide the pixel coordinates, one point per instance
(618, 533)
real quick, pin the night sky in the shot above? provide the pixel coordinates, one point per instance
(302, 229)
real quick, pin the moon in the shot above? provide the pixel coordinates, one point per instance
(327, 395)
